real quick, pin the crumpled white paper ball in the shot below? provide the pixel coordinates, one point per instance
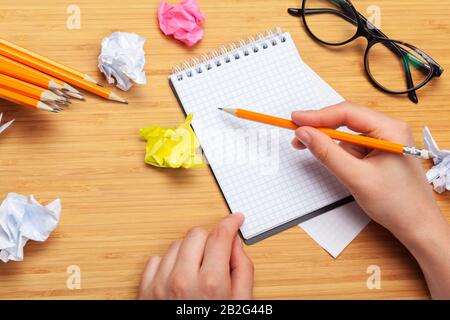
(23, 218)
(122, 59)
(439, 174)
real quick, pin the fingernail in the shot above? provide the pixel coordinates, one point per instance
(303, 136)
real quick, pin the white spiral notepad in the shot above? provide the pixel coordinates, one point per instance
(258, 171)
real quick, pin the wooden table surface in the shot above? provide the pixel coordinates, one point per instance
(117, 211)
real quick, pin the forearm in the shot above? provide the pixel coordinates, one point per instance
(431, 247)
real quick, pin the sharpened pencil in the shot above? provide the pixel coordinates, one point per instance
(29, 90)
(26, 101)
(63, 75)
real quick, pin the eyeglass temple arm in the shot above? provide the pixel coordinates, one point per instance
(409, 81)
(403, 55)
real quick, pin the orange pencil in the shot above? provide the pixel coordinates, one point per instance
(25, 101)
(360, 140)
(19, 51)
(62, 75)
(29, 90)
(27, 74)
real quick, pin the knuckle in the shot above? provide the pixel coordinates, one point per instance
(178, 284)
(158, 292)
(221, 231)
(322, 154)
(153, 260)
(345, 106)
(174, 244)
(211, 284)
(197, 232)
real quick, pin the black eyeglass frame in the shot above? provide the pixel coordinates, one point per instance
(374, 36)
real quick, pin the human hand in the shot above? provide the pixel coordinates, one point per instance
(202, 266)
(391, 189)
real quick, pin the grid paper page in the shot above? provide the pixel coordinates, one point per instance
(273, 81)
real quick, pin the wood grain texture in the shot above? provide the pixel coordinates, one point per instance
(117, 211)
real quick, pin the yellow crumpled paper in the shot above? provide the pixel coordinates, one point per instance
(173, 148)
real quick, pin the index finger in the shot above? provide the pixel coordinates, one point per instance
(220, 241)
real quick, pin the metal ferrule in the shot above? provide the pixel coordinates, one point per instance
(419, 153)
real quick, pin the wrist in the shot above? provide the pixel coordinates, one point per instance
(425, 237)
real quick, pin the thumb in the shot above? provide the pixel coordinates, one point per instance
(241, 272)
(342, 164)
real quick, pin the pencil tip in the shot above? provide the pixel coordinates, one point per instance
(69, 88)
(228, 110)
(76, 96)
(117, 98)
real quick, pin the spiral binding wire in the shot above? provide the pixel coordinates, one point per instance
(228, 53)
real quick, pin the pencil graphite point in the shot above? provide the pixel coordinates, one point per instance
(69, 88)
(58, 92)
(46, 107)
(116, 97)
(228, 110)
(62, 103)
(51, 96)
(75, 95)
(90, 79)
(55, 86)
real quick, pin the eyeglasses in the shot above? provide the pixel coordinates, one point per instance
(392, 66)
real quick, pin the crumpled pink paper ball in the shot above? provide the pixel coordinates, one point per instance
(182, 21)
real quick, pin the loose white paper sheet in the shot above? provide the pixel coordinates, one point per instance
(21, 219)
(335, 229)
(122, 59)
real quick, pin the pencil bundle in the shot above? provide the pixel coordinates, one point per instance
(31, 80)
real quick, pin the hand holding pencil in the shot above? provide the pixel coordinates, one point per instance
(391, 189)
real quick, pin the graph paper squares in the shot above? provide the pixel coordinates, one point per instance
(274, 81)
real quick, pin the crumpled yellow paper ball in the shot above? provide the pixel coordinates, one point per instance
(173, 147)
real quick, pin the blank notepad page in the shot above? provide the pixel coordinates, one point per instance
(258, 171)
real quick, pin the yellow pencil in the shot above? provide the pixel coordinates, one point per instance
(20, 51)
(25, 101)
(19, 71)
(61, 74)
(29, 90)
